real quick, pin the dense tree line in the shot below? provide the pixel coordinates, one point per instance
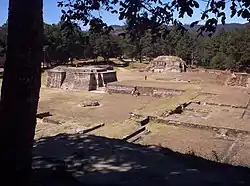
(229, 50)
(63, 43)
(225, 50)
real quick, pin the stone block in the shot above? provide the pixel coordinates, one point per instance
(90, 104)
(55, 78)
(84, 81)
(82, 78)
(109, 76)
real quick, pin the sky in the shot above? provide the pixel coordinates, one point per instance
(52, 14)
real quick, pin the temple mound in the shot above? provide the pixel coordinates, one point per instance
(79, 78)
(166, 64)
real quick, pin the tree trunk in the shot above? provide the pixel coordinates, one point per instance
(20, 90)
(140, 57)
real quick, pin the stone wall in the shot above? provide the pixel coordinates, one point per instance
(116, 88)
(144, 91)
(79, 78)
(221, 76)
(166, 64)
(55, 78)
(238, 79)
(84, 81)
(166, 92)
(109, 76)
(232, 79)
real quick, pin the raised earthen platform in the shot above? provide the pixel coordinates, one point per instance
(82, 78)
(148, 88)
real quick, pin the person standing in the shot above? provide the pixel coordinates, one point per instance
(184, 67)
(180, 66)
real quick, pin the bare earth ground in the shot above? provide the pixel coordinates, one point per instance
(65, 106)
(102, 157)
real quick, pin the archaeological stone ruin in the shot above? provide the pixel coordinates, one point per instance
(80, 78)
(166, 64)
(234, 79)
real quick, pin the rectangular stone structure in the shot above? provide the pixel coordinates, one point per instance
(143, 90)
(84, 81)
(80, 78)
(55, 78)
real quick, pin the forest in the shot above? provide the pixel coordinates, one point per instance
(226, 49)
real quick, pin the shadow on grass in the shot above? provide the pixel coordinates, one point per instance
(95, 160)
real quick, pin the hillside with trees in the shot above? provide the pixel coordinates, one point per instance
(228, 48)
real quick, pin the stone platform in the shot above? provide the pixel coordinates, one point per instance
(80, 78)
(148, 88)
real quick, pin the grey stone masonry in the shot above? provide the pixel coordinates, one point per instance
(82, 78)
(55, 78)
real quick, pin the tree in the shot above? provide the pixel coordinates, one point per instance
(144, 15)
(3, 39)
(154, 17)
(104, 45)
(20, 90)
(229, 50)
(218, 61)
(185, 48)
(151, 47)
(62, 43)
(128, 47)
(200, 57)
(3, 43)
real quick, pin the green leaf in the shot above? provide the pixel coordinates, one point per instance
(114, 12)
(234, 11)
(121, 17)
(63, 11)
(239, 12)
(223, 20)
(221, 4)
(60, 3)
(221, 14)
(190, 12)
(194, 23)
(196, 4)
(204, 15)
(245, 14)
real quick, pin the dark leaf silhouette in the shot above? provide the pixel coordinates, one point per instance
(194, 23)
